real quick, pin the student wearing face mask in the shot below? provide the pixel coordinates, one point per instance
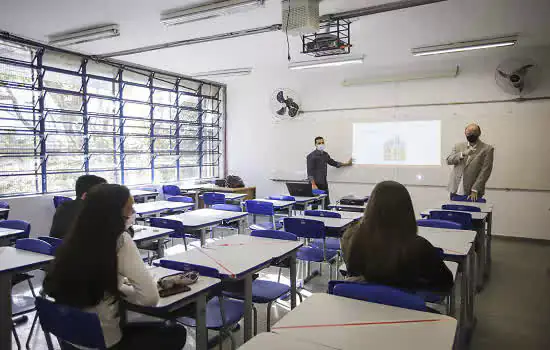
(317, 166)
(98, 265)
(472, 165)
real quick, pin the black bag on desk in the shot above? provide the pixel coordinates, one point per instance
(353, 200)
(233, 181)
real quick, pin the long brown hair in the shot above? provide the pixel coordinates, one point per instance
(383, 235)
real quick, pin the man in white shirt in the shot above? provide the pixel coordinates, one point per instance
(472, 165)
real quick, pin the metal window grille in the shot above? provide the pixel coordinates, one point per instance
(63, 115)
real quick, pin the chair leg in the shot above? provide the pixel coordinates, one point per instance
(31, 288)
(16, 337)
(255, 311)
(184, 242)
(279, 277)
(269, 316)
(28, 343)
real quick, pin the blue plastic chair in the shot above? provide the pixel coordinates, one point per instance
(439, 224)
(17, 225)
(282, 198)
(4, 215)
(58, 200)
(465, 219)
(176, 225)
(461, 208)
(377, 294)
(181, 199)
(330, 242)
(227, 207)
(34, 245)
(171, 190)
(323, 213)
(221, 314)
(211, 198)
(54, 242)
(311, 229)
(263, 209)
(461, 198)
(69, 325)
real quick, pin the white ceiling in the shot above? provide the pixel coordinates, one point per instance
(384, 39)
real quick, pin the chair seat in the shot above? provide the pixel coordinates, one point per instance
(331, 243)
(266, 226)
(233, 310)
(314, 254)
(227, 207)
(263, 291)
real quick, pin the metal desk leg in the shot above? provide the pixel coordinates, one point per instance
(293, 280)
(464, 294)
(160, 248)
(203, 240)
(5, 311)
(200, 317)
(241, 226)
(248, 307)
(488, 245)
(290, 211)
(480, 250)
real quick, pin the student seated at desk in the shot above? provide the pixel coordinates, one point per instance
(98, 264)
(65, 215)
(384, 247)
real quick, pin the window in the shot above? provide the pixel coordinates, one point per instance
(63, 115)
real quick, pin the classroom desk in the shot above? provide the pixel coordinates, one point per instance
(158, 207)
(143, 194)
(148, 233)
(197, 295)
(201, 219)
(14, 261)
(343, 323)
(333, 225)
(279, 205)
(231, 196)
(348, 214)
(305, 201)
(239, 257)
(485, 208)
(7, 234)
(275, 341)
(347, 207)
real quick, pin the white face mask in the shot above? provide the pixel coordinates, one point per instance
(130, 221)
(320, 147)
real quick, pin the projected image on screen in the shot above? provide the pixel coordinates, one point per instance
(397, 143)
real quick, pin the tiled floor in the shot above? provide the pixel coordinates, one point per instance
(513, 311)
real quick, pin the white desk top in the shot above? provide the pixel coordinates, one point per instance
(236, 255)
(160, 206)
(145, 233)
(347, 206)
(347, 214)
(276, 203)
(455, 242)
(475, 215)
(202, 284)
(231, 196)
(301, 200)
(15, 260)
(274, 341)
(485, 207)
(206, 217)
(141, 193)
(8, 232)
(330, 223)
(3, 210)
(349, 324)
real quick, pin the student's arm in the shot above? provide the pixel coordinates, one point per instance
(434, 273)
(455, 157)
(311, 171)
(334, 163)
(140, 287)
(485, 172)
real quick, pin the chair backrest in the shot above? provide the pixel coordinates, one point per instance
(70, 325)
(227, 207)
(465, 219)
(54, 242)
(282, 198)
(4, 205)
(182, 199)
(461, 207)
(183, 266)
(323, 213)
(34, 245)
(211, 198)
(167, 223)
(287, 236)
(260, 208)
(305, 228)
(17, 225)
(439, 224)
(318, 192)
(58, 200)
(171, 190)
(461, 198)
(377, 294)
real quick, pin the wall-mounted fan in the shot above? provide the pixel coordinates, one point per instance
(285, 104)
(517, 76)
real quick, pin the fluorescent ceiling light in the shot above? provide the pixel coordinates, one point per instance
(223, 73)
(85, 35)
(332, 62)
(465, 46)
(211, 10)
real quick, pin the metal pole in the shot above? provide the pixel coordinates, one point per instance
(42, 119)
(121, 123)
(152, 127)
(85, 116)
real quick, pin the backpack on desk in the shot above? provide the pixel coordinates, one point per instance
(233, 181)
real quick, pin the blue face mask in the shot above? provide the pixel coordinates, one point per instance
(320, 147)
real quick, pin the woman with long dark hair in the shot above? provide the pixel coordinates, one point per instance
(384, 246)
(98, 264)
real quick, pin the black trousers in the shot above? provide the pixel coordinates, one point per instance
(324, 187)
(155, 335)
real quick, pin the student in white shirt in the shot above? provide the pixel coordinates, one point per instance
(98, 264)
